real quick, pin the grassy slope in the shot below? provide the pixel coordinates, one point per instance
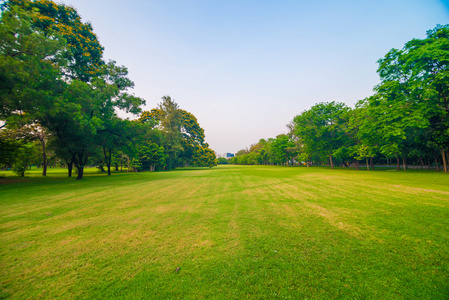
(233, 232)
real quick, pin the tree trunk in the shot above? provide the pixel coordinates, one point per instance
(421, 162)
(108, 161)
(80, 163)
(371, 162)
(332, 163)
(404, 162)
(447, 158)
(357, 165)
(398, 164)
(70, 168)
(80, 172)
(44, 158)
(443, 155)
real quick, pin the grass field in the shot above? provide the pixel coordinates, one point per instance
(232, 232)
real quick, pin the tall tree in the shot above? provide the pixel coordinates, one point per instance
(85, 56)
(80, 96)
(30, 66)
(87, 111)
(319, 128)
(421, 70)
(171, 123)
(182, 136)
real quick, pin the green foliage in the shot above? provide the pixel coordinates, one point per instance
(281, 150)
(52, 71)
(182, 136)
(151, 156)
(30, 62)
(408, 116)
(18, 149)
(320, 129)
(41, 48)
(204, 157)
(414, 90)
(171, 123)
(222, 161)
(25, 155)
(85, 56)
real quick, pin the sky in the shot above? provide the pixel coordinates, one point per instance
(245, 68)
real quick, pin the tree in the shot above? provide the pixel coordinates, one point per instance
(17, 149)
(85, 56)
(30, 66)
(182, 136)
(170, 123)
(192, 139)
(319, 129)
(87, 111)
(280, 149)
(151, 156)
(222, 161)
(31, 131)
(204, 157)
(420, 71)
(78, 98)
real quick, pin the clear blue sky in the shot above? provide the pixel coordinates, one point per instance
(246, 68)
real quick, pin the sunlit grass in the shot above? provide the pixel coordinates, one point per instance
(226, 233)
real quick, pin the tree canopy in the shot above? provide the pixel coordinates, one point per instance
(53, 77)
(407, 118)
(182, 136)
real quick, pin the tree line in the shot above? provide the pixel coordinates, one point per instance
(60, 101)
(405, 122)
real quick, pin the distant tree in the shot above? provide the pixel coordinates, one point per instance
(281, 149)
(171, 121)
(151, 156)
(182, 136)
(204, 157)
(242, 152)
(319, 129)
(222, 161)
(17, 149)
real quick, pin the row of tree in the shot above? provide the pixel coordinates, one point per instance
(406, 120)
(57, 93)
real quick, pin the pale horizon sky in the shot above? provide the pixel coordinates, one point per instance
(246, 68)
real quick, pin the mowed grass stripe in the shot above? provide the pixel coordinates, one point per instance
(228, 232)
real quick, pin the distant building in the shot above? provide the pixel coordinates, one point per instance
(226, 155)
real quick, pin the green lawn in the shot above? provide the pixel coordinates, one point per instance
(232, 232)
